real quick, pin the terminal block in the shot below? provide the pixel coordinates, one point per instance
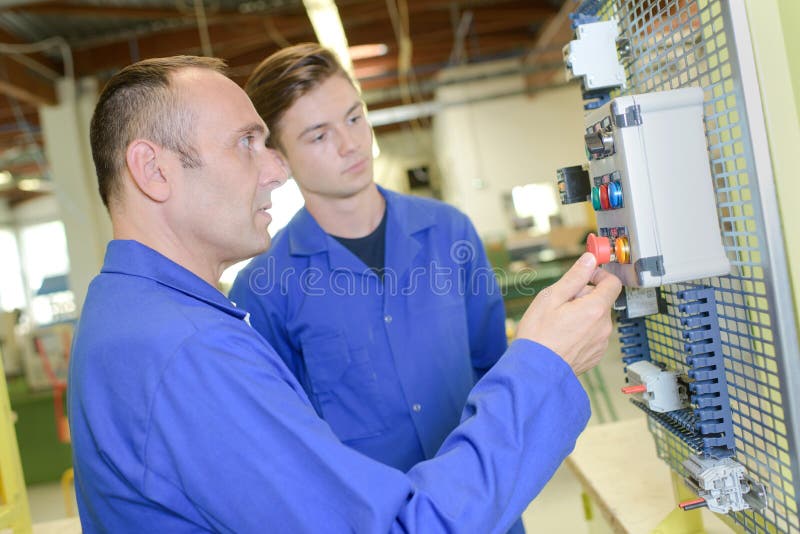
(722, 485)
(661, 390)
(592, 56)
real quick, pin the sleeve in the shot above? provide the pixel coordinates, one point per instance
(486, 314)
(258, 292)
(235, 433)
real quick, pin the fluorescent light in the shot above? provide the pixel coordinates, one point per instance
(29, 184)
(6, 178)
(324, 17)
(371, 71)
(366, 51)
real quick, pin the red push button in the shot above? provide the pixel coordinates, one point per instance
(605, 203)
(600, 247)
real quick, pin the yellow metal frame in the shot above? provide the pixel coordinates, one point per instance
(14, 511)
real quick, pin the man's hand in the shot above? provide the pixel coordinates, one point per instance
(573, 318)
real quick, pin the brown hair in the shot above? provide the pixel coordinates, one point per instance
(287, 75)
(138, 102)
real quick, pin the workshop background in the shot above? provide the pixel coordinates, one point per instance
(471, 103)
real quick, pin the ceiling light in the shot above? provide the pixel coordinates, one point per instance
(29, 184)
(5, 178)
(366, 51)
(371, 71)
(324, 17)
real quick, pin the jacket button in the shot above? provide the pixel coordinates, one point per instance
(417, 408)
(387, 318)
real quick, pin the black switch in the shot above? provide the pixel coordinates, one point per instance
(574, 184)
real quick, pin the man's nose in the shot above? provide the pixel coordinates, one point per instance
(275, 170)
(347, 141)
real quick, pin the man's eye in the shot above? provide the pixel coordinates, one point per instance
(247, 141)
(319, 137)
(354, 119)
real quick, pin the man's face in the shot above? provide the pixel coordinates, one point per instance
(221, 206)
(327, 141)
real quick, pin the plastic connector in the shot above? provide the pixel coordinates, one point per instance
(593, 56)
(662, 391)
(723, 485)
(574, 184)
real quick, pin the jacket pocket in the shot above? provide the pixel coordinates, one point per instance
(345, 385)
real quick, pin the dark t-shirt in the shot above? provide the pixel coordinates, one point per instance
(371, 248)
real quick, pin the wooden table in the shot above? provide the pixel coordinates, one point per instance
(70, 525)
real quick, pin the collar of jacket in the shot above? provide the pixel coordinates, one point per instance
(135, 259)
(405, 218)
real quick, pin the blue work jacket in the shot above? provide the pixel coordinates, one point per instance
(388, 364)
(184, 419)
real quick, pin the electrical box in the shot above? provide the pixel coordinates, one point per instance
(651, 189)
(593, 56)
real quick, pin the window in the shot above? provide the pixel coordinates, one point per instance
(46, 264)
(12, 289)
(537, 201)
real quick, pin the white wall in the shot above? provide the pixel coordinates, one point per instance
(36, 210)
(401, 151)
(485, 148)
(65, 128)
(6, 218)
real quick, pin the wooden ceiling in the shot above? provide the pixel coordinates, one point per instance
(97, 38)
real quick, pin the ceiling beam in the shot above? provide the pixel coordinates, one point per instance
(17, 196)
(115, 55)
(10, 38)
(20, 82)
(359, 21)
(494, 36)
(547, 49)
(17, 81)
(64, 9)
(16, 137)
(26, 169)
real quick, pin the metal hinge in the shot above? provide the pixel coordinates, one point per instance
(631, 117)
(653, 265)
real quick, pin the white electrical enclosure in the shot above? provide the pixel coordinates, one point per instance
(593, 56)
(652, 189)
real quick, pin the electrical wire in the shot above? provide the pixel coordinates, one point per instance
(275, 34)
(16, 51)
(202, 23)
(407, 81)
(457, 54)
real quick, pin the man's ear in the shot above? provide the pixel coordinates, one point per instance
(148, 174)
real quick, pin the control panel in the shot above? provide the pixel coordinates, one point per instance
(650, 185)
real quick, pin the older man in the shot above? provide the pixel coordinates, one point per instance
(185, 419)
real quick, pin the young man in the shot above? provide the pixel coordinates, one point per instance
(403, 313)
(184, 419)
